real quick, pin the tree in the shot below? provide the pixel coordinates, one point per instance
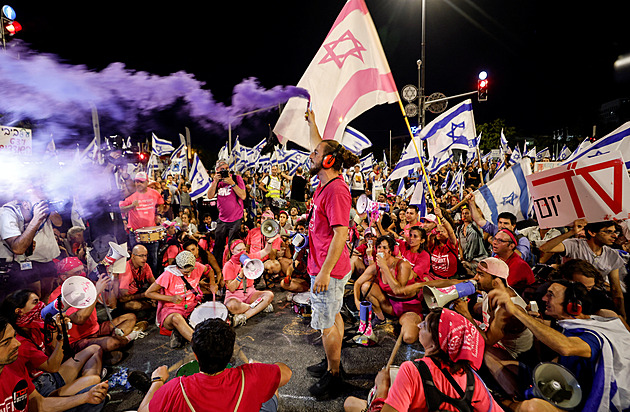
(491, 132)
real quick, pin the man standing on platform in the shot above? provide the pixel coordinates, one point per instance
(328, 260)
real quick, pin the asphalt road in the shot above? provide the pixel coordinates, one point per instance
(281, 336)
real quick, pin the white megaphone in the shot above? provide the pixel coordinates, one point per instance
(440, 297)
(364, 204)
(270, 228)
(76, 292)
(115, 252)
(555, 384)
(252, 268)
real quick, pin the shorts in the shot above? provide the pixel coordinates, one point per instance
(271, 405)
(47, 383)
(326, 305)
(239, 295)
(399, 306)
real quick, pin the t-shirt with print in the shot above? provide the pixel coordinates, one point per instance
(143, 215)
(15, 387)
(444, 260)
(331, 208)
(229, 204)
(172, 285)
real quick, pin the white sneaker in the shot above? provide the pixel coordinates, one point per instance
(239, 320)
(290, 296)
(269, 308)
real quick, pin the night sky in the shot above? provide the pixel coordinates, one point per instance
(550, 62)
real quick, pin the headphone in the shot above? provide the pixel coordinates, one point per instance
(572, 304)
(329, 159)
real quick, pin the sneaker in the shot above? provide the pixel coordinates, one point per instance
(329, 386)
(290, 296)
(176, 341)
(319, 369)
(239, 320)
(269, 308)
(141, 326)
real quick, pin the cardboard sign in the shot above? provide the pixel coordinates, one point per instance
(16, 140)
(594, 189)
(542, 166)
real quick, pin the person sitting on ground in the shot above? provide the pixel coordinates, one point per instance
(241, 298)
(44, 357)
(359, 259)
(388, 284)
(212, 284)
(297, 279)
(505, 336)
(249, 387)
(442, 246)
(133, 283)
(112, 335)
(414, 251)
(177, 292)
(453, 348)
(17, 392)
(504, 247)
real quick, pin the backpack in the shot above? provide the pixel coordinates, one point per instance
(434, 397)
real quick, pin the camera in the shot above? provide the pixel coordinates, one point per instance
(224, 174)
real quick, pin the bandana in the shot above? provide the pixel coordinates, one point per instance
(235, 243)
(510, 234)
(460, 339)
(68, 264)
(33, 318)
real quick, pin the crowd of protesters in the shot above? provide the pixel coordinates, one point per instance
(543, 294)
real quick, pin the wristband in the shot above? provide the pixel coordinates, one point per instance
(233, 185)
(156, 379)
(376, 405)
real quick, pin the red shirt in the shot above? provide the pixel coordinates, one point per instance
(421, 261)
(257, 242)
(444, 260)
(32, 351)
(133, 278)
(78, 332)
(143, 215)
(15, 387)
(520, 272)
(331, 208)
(220, 392)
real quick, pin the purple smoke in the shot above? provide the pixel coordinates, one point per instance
(58, 97)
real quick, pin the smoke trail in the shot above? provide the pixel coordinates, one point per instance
(58, 96)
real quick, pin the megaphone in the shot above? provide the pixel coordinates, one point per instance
(252, 268)
(76, 292)
(440, 297)
(555, 384)
(364, 204)
(115, 252)
(270, 228)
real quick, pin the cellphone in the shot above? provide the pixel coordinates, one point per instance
(224, 173)
(533, 305)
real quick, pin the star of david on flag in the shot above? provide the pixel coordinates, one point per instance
(615, 141)
(451, 130)
(348, 75)
(199, 179)
(160, 147)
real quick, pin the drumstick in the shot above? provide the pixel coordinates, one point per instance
(214, 308)
(239, 353)
(394, 352)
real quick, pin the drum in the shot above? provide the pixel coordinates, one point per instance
(208, 310)
(150, 234)
(302, 304)
(188, 369)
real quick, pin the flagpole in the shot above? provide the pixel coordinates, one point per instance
(424, 172)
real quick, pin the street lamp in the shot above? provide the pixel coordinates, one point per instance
(422, 67)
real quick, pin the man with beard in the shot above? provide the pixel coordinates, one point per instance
(134, 282)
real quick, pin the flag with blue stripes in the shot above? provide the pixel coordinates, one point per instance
(367, 162)
(355, 141)
(199, 179)
(445, 182)
(507, 192)
(616, 141)
(531, 153)
(543, 154)
(439, 161)
(452, 129)
(401, 188)
(160, 147)
(470, 158)
(564, 154)
(516, 155)
(504, 144)
(419, 199)
(458, 181)
(408, 162)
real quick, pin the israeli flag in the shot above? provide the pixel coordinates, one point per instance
(474, 144)
(450, 130)
(314, 183)
(260, 145)
(565, 152)
(543, 154)
(367, 162)
(504, 144)
(586, 143)
(439, 161)
(199, 179)
(507, 192)
(445, 182)
(355, 141)
(223, 153)
(401, 188)
(153, 164)
(458, 181)
(419, 199)
(408, 162)
(159, 146)
(531, 153)
(516, 155)
(616, 141)
(470, 158)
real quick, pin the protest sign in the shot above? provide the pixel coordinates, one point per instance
(542, 166)
(594, 189)
(16, 140)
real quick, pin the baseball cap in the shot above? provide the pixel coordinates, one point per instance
(495, 267)
(429, 218)
(141, 176)
(368, 231)
(268, 215)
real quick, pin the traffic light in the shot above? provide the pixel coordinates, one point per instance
(143, 157)
(482, 87)
(12, 27)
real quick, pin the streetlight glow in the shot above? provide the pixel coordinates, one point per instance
(483, 75)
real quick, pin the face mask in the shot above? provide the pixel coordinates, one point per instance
(236, 258)
(33, 318)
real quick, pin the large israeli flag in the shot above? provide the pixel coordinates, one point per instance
(367, 162)
(160, 147)
(199, 179)
(507, 192)
(408, 162)
(450, 130)
(616, 141)
(355, 141)
(419, 199)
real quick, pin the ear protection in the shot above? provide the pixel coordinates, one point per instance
(572, 305)
(329, 159)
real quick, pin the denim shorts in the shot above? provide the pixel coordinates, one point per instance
(326, 305)
(47, 383)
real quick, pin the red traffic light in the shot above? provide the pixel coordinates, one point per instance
(482, 90)
(12, 27)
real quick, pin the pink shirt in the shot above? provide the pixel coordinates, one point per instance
(331, 208)
(421, 261)
(143, 215)
(174, 285)
(256, 241)
(229, 204)
(407, 391)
